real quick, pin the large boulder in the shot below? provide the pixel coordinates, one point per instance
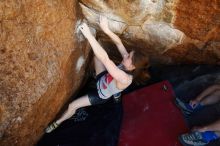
(42, 63)
(43, 56)
(169, 31)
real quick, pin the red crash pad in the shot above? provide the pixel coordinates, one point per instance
(151, 118)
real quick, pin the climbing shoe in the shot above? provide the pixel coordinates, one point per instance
(51, 127)
(184, 107)
(192, 139)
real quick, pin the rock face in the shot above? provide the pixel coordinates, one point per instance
(43, 57)
(42, 62)
(169, 31)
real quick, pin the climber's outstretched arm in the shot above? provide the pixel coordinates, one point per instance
(101, 54)
(104, 26)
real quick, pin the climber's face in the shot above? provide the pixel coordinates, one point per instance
(127, 61)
